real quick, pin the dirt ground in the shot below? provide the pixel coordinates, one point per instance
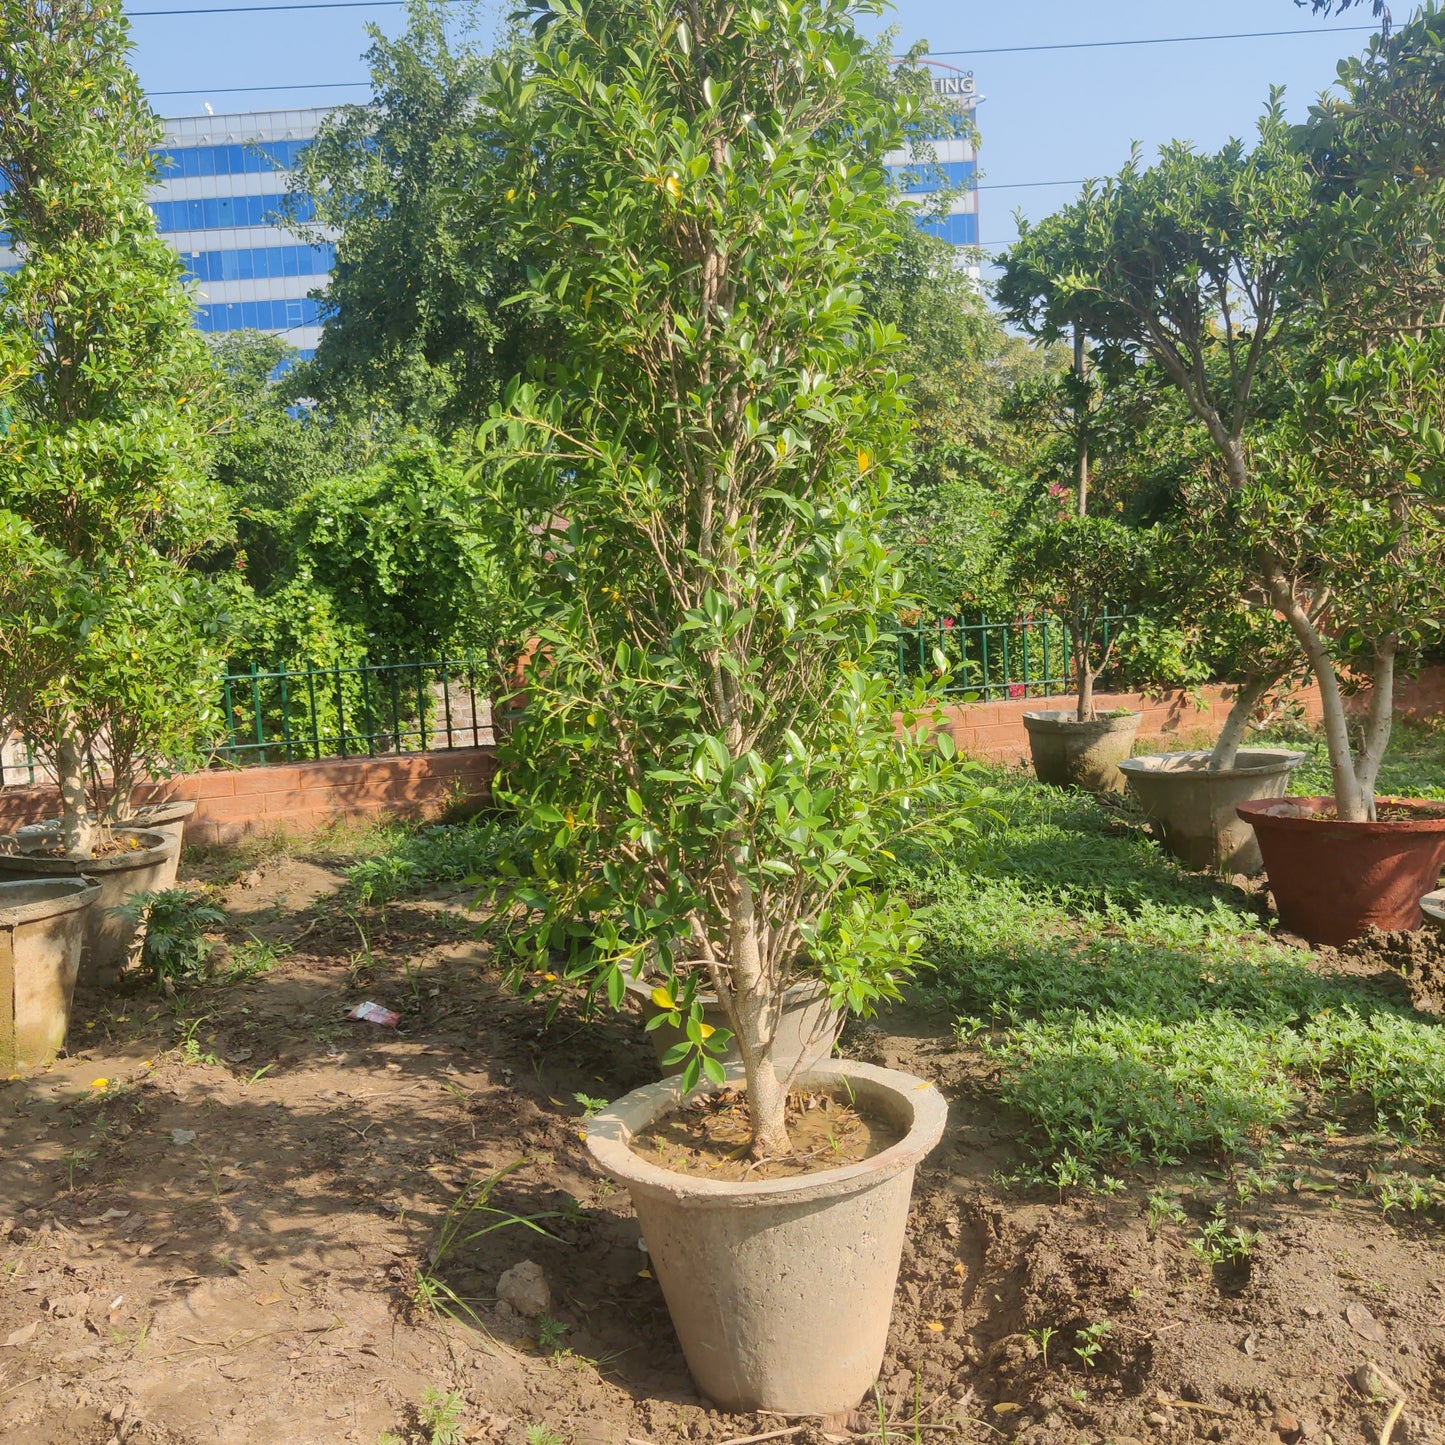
(231, 1239)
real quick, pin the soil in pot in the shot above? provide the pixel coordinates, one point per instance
(709, 1136)
(780, 1290)
(131, 861)
(1192, 806)
(1068, 753)
(42, 926)
(1332, 880)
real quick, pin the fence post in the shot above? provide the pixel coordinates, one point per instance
(285, 710)
(311, 698)
(341, 712)
(366, 706)
(447, 698)
(256, 710)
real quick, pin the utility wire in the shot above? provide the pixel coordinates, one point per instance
(257, 9)
(986, 50)
(257, 89)
(1155, 40)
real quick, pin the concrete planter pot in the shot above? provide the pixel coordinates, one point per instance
(42, 927)
(1332, 880)
(168, 819)
(1068, 753)
(108, 936)
(1194, 808)
(808, 1028)
(780, 1291)
(1432, 905)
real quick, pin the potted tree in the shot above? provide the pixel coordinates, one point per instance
(691, 497)
(1191, 797)
(103, 463)
(1076, 568)
(1186, 266)
(1206, 264)
(1360, 469)
(1358, 477)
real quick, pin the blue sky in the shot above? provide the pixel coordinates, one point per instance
(1048, 116)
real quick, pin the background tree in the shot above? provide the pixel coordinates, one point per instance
(1187, 264)
(416, 321)
(693, 491)
(103, 467)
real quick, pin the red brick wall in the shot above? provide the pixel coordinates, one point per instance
(995, 730)
(235, 802)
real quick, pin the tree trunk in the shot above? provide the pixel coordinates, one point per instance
(1086, 694)
(77, 827)
(1352, 804)
(754, 999)
(1246, 700)
(1081, 426)
(1379, 722)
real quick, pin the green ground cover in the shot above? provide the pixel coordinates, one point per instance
(1413, 768)
(1139, 1015)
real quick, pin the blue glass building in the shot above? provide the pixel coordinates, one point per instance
(948, 161)
(221, 180)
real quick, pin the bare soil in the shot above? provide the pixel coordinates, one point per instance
(712, 1136)
(232, 1238)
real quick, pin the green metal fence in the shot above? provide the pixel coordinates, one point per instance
(1017, 657)
(368, 709)
(292, 713)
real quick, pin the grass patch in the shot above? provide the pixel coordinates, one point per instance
(404, 860)
(1142, 1015)
(1414, 767)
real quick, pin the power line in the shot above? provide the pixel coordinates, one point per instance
(256, 89)
(257, 9)
(1155, 40)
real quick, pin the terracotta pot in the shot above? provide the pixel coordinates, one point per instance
(42, 925)
(808, 1027)
(1332, 880)
(1068, 753)
(780, 1290)
(108, 935)
(1194, 808)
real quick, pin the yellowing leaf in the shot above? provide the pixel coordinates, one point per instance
(706, 1030)
(864, 460)
(673, 189)
(935, 1325)
(100, 1083)
(1006, 1407)
(661, 998)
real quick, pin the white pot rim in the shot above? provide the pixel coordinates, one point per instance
(609, 1135)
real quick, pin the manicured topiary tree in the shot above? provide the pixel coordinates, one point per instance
(708, 752)
(103, 488)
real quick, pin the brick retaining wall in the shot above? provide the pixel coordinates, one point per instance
(1176, 719)
(232, 803)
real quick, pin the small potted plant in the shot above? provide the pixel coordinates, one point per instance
(1077, 568)
(106, 497)
(710, 755)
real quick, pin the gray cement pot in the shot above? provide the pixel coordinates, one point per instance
(168, 819)
(808, 1027)
(780, 1291)
(42, 926)
(1068, 753)
(1432, 905)
(1193, 808)
(108, 936)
